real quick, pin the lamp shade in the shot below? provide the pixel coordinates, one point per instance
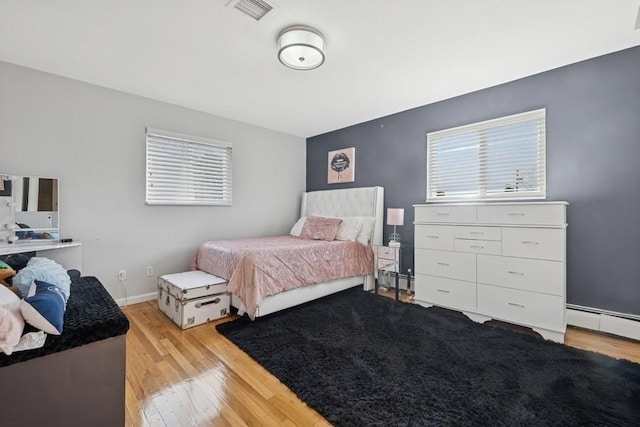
(301, 47)
(395, 216)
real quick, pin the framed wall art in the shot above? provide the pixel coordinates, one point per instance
(341, 166)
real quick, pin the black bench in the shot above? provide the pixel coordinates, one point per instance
(77, 378)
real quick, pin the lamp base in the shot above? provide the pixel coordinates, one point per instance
(394, 244)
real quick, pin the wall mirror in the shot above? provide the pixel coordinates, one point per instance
(29, 208)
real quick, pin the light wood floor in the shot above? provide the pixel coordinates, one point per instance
(197, 378)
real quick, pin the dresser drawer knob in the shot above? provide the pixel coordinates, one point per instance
(444, 291)
(529, 242)
(479, 233)
(516, 214)
(430, 236)
(444, 264)
(514, 304)
(516, 273)
(442, 214)
(476, 247)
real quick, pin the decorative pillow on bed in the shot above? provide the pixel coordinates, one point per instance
(296, 230)
(366, 232)
(45, 310)
(349, 228)
(320, 228)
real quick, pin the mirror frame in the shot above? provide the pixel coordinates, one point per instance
(10, 212)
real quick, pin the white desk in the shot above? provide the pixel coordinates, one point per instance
(68, 255)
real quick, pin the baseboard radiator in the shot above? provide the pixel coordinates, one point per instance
(610, 322)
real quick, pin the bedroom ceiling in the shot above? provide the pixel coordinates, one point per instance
(382, 56)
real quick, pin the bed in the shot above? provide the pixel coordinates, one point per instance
(247, 263)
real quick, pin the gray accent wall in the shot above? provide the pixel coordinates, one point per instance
(593, 162)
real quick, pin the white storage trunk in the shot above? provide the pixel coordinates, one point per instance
(193, 297)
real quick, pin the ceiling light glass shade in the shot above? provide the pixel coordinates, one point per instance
(301, 48)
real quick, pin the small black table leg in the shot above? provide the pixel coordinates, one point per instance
(398, 285)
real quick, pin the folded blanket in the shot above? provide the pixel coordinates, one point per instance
(11, 321)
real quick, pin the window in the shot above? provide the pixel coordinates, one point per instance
(187, 170)
(497, 159)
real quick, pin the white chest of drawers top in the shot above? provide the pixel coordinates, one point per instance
(502, 261)
(520, 213)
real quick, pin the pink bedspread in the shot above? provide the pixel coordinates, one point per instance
(265, 266)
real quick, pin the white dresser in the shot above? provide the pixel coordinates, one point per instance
(504, 261)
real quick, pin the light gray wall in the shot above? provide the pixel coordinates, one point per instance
(593, 155)
(93, 139)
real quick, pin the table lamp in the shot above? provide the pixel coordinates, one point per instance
(395, 217)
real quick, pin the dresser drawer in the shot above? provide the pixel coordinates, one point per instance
(546, 277)
(452, 265)
(445, 213)
(523, 213)
(446, 292)
(434, 237)
(528, 308)
(481, 233)
(539, 243)
(478, 246)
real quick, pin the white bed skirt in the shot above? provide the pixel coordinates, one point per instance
(298, 296)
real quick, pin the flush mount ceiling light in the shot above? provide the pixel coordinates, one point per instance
(301, 47)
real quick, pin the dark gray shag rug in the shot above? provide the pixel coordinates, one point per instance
(362, 359)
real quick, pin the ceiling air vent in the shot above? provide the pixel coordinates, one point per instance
(256, 9)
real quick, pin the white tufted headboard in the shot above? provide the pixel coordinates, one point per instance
(364, 201)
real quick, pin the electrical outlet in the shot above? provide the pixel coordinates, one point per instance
(149, 270)
(122, 275)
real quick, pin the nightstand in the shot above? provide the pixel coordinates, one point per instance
(387, 258)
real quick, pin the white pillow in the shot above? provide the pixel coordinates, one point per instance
(366, 231)
(349, 228)
(296, 230)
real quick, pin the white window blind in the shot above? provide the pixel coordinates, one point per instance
(187, 170)
(491, 160)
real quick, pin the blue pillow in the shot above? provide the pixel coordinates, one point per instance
(44, 310)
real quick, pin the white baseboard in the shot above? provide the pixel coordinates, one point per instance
(137, 299)
(603, 322)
